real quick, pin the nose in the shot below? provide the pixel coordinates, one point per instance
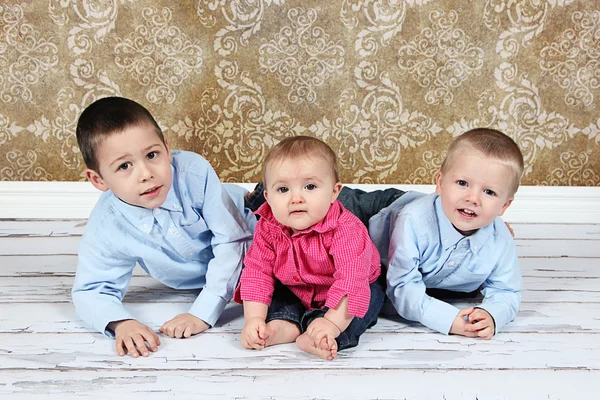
(144, 172)
(297, 197)
(473, 197)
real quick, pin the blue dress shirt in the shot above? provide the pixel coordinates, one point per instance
(422, 249)
(196, 240)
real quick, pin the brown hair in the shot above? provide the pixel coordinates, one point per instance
(105, 117)
(296, 147)
(491, 144)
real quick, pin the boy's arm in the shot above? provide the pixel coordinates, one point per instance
(502, 289)
(405, 286)
(230, 241)
(100, 284)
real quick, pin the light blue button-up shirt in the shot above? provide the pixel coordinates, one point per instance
(196, 240)
(423, 250)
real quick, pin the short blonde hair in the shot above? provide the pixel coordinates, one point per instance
(491, 144)
(297, 147)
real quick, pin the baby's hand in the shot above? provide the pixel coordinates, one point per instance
(254, 334)
(184, 326)
(321, 328)
(134, 338)
(460, 324)
(481, 323)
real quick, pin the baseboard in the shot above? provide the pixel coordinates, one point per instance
(67, 200)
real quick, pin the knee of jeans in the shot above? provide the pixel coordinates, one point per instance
(346, 341)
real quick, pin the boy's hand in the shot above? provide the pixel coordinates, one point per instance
(460, 324)
(481, 323)
(510, 229)
(254, 334)
(134, 338)
(184, 326)
(321, 328)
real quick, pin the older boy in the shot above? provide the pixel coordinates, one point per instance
(311, 273)
(166, 211)
(455, 240)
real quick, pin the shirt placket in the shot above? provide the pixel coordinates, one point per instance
(173, 235)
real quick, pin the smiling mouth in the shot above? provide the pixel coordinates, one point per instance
(151, 191)
(467, 213)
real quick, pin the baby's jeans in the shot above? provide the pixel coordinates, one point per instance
(286, 306)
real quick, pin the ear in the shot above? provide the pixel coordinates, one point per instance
(337, 188)
(168, 150)
(266, 196)
(508, 203)
(438, 183)
(96, 180)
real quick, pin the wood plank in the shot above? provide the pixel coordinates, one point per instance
(556, 231)
(61, 318)
(525, 247)
(145, 289)
(254, 383)
(376, 350)
(61, 227)
(65, 265)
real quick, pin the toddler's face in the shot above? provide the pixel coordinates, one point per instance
(135, 165)
(474, 190)
(300, 191)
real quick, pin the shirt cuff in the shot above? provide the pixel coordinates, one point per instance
(208, 307)
(439, 316)
(112, 313)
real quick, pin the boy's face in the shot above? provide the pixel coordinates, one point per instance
(300, 191)
(135, 165)
(474, 190)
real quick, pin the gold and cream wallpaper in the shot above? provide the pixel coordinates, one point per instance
(387, 83)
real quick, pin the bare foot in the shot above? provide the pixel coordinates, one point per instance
(281, 331)
(304, 342)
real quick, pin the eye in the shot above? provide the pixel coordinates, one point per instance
(124, 166)
(152, 155)
(460, 182)
(310, 186)
(282, 189)
(489, 192)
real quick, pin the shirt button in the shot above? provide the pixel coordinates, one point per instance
(171, 231)
(475, 248)
(157, 212)
(175, 207)
(145, 227)
(296, 279)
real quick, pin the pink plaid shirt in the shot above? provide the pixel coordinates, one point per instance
(320, 265)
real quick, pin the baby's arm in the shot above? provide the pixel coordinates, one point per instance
(405, 286)
(254, 334)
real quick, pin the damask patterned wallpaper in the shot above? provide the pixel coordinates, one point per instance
(387, 83)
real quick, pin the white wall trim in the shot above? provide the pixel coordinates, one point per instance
(533, 204)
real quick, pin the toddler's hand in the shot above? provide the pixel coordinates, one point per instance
(481, 323)
(321, 328)
(134, 338)
(184, 326)
(460, 324)
(254, 334)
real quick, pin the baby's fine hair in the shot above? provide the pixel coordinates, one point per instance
(492, 144)
(297, 147)
(106, 117)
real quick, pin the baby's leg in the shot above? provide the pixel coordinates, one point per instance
(280, 331)
(327, 349)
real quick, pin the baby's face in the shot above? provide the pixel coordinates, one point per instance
(300, 191)
(474, 190)
(136, 165)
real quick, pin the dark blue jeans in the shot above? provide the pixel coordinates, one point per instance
(360, 203)
(286, 306)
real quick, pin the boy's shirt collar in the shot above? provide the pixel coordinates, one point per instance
(143, 218)
(327, 224)
(450, 236)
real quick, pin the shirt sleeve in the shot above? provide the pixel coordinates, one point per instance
(100, 284)
(502, 289)
(354, 255)
(405, 286)
(230, 241)
(258, 280)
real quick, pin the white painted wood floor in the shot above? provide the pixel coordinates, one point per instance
(551, 351)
